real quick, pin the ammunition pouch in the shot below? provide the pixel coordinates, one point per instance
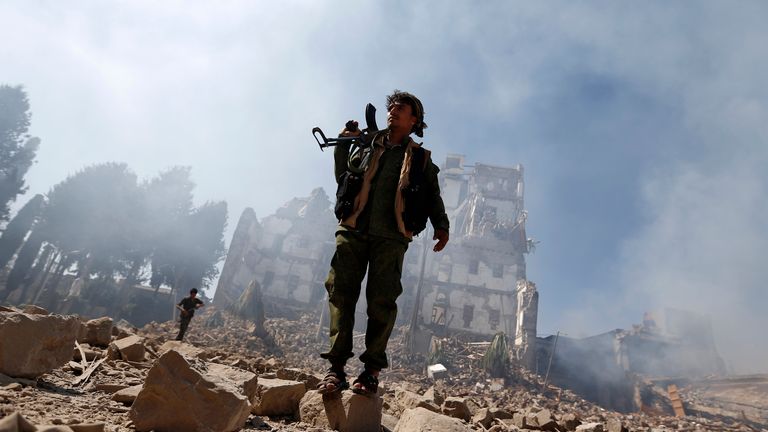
(415, 194)
(349, 186)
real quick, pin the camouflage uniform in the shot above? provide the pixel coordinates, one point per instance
(374, 238)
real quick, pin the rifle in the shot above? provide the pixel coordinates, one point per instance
(362, 140)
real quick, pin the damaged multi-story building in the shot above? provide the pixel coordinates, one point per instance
(477, 285)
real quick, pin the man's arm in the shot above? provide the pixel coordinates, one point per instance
(436, 207)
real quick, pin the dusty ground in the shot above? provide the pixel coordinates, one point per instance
(54, 399)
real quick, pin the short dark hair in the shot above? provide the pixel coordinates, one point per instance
(193, 291)
(417, 109)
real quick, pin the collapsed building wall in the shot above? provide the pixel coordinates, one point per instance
(611, 369)
(287, 253)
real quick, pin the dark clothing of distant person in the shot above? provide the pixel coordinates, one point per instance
(188, 304)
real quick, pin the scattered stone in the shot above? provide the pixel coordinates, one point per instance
(278, 397)
(423, 420)
(483, 417)
(437, 371)
(310, 381)
(348, 412)
(456, 407)
(127, 395)
(35, 310)
(615, 425)
(570, 421)
(179, 396)
(130, 348)
(96, 332)
(590, 427)
(110, 388)
(185, 349)
(407, 399)
(35, 344)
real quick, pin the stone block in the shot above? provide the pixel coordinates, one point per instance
(423, 420)
(437, 371)
(293, 374)
(96, 332)
(570, 421)
(186, 350)
(31, 345)
(278, 397)
(406, 399)
(127, 395)
(130, 348)
(615, 425)
(456, 407)
(590, 427)
(345, 412)
(181, 395)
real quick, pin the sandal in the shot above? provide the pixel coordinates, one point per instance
(333, 382)
(366, 384)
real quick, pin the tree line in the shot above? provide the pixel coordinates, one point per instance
(101, 223)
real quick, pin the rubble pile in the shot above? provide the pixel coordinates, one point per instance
(230, 376)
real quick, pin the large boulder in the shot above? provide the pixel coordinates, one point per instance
(31, 345)
(345, 412)
(96, 332)
(181, 395)
(424, 420)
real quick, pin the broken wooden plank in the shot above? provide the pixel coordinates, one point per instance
(87, 374)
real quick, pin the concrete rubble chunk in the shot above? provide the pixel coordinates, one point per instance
(615, 425)
(345, 412)
(590, 427)
(520, 420)
(35, 310)
(278, 397)
(434, 396)
(483, 417)
(423, 420)
(130, 348)
(31, 345)
(15, 422)
(457, 407)
(127, 395)
(294, 374)
(96, 332)
(182, 396)
(437, 371)
(544, 420)
(185, 349)
(407, 399)
(570, 421)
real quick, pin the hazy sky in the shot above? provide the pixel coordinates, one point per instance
(641, 125)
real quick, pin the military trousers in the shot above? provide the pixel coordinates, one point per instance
(383, 259)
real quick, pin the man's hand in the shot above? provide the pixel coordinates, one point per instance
(442, 239)
(351, 129)
(184, 313)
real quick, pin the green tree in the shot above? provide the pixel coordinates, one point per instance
(97, 215)
(18, 228)
(17, 148)
(190, 252)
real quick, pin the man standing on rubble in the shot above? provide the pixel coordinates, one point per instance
(188, 306)
(380, 206)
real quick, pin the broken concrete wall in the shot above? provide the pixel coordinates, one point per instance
(287, 253)
(524, 344)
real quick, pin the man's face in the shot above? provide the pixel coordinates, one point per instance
(400, 116)
(193, 295)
